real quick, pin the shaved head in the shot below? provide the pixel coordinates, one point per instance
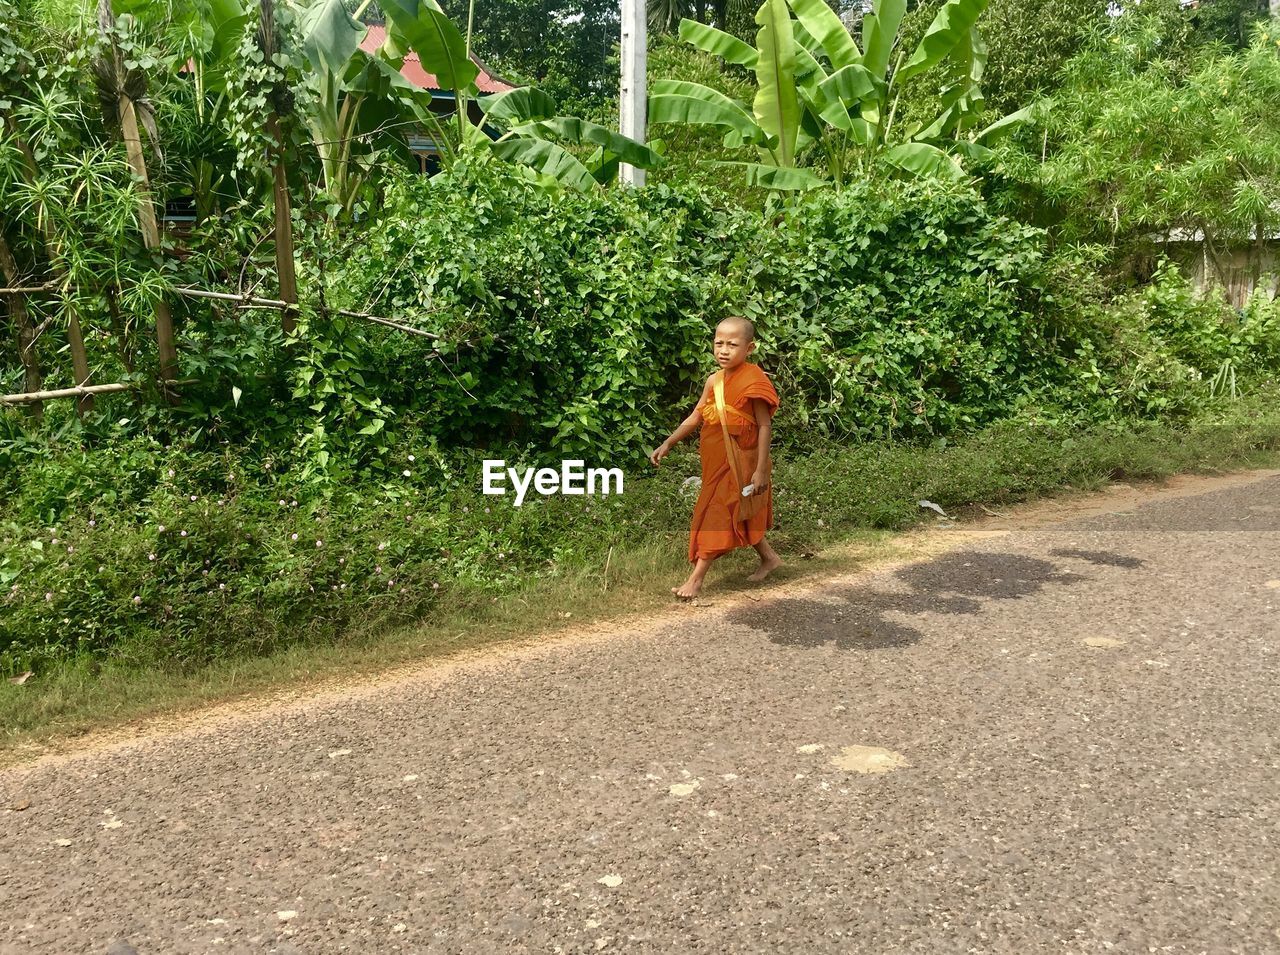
(743, 326)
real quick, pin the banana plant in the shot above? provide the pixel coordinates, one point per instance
(825, 107)
(536, 137)
(361, 98)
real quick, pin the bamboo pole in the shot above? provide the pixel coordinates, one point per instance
(168, 352)
(80, 392)
(62, 393)
(26, 289)
(285, 268)
(253, 301)
(79, 360)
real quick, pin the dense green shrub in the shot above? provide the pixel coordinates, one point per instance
(580, 322)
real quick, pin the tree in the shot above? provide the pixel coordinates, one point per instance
(565, 47)
(824, 109)
(1136, 144)
(1028, 42)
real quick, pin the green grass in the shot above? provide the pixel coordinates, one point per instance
(852, 495)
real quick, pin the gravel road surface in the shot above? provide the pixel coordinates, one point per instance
(1059, 738)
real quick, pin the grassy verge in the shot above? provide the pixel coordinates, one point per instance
(613, 562)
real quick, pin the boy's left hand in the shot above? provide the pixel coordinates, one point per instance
(761, 482)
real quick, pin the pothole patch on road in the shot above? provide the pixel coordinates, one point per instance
(1272, 585)
(1102, 643)
(868, 759)
(685, 789)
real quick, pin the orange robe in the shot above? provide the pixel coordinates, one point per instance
(715, 529)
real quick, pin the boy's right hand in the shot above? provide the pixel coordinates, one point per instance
(660, 452)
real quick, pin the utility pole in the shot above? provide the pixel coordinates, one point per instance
(633, 92)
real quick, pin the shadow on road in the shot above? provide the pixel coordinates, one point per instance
(1102, 558)
(853, 618)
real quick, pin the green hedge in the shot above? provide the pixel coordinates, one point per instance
(886, 310)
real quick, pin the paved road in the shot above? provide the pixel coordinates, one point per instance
(690, 788)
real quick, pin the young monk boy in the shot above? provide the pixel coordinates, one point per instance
(749, 403)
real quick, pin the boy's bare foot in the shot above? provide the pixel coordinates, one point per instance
(689, 589)
(767, 566)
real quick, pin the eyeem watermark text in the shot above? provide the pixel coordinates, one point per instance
(574, 477)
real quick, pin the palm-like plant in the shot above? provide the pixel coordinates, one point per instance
(825, 107)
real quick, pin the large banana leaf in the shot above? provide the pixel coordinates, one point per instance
(547, 158)
(921, 159)
(1003, 126)
(777, 107)
(806, 40)
(676, 101)
(521, 105)
(850, 85)
(809, 72)
(973, 151)
(330, 36)
(224, 20)
(718, 43)
(433, 36)
(584, 133)
(879, 33)
(836, 96)
(950, 27)
(778, 177)
(821, 22)
(961, 100)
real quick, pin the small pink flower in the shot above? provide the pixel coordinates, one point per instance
(407, 473)
(71, 550)
(435, 586)
(151, 557)
(281, 502)
(293, 537)
(55, 541)
(412, 459)
(222, 586)
(194, 498)
(382, 546)
(93, 523)
(161, 528)
(137, 600)
(342, 560)
(48, 596)
(184, 533)
(170, 472)
(378, 570)
(319, 543)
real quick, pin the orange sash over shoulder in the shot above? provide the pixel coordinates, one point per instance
(717, 528)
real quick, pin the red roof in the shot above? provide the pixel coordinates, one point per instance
(411, 69)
